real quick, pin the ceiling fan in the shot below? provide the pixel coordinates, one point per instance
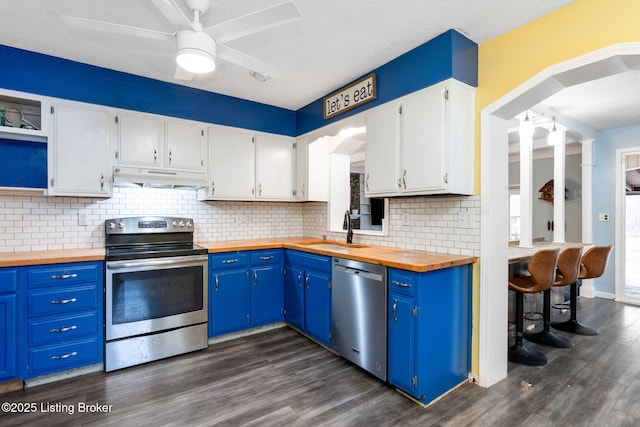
(198, 47)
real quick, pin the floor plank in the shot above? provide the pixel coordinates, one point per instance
(280, 378)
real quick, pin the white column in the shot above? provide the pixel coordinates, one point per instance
(588, 288)
(559, 185)
(526, 187)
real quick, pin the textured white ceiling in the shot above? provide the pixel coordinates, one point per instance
(335, 42)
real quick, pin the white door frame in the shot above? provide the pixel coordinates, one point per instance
(621, 228)
(494, 233)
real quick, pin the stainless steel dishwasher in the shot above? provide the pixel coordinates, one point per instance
(359, 314)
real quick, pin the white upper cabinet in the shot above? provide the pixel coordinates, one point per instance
(78, 153)
(312, 170)
(186, 147)
(153, 141)
(422, 144)
(140, 138)
(247, 165)
(23, 116)
(275, 165)
(382, 150)
(231, 165)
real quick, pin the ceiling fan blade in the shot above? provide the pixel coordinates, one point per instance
(255, 22)
(172, 12)
(249, 62)
(109, 27)
(182, 74)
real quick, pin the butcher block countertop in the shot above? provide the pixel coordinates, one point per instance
(16, 259)
(418, 261)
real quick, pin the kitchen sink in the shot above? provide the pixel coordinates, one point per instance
(334, 246)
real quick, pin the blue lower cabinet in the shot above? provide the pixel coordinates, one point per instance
(8, 341)
(63, 323)
(308, 294)
(429, 340)
(245, 290)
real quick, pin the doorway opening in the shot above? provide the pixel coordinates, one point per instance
(631, 223)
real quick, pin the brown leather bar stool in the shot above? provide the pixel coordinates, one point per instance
(542, 268)
(594, 263)
(567, 273)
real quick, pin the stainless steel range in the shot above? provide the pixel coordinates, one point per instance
(155, 290)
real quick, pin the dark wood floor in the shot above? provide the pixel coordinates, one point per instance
(280, 378)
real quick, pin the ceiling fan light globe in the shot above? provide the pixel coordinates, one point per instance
(196, 61)
(196, 51)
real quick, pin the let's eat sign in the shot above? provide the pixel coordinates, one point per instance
(358, 93)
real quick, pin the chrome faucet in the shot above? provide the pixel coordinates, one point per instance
(347, 218)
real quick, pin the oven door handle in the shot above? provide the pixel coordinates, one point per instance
(155, 263)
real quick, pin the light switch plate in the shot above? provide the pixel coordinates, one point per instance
(83, 218)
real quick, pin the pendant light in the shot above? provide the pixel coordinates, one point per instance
(554, 136)
(526, 127)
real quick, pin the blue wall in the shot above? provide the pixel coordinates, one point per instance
(604, 195)
(448, 55)
(60, 78)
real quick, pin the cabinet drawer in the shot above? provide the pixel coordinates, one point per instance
(60, 329)
(404, 282)
(64, 275)
(228, 260)
(266, 257)
(53, 301)
(65, 356)
(8, 280)
(307, 260)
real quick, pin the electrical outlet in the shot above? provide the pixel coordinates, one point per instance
(83, 218)
(603, 217)
(405, 219)
(465, 219)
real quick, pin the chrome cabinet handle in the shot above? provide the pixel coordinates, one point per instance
(63, 301)
(155, 155)
(170, 155)
(259, 189)
(64, 356)
(402, 285)
(303, 189)
(66, 329)
(217, 283)
(255, 277)
(64, 276)
(394, 310)
(213, 188)
(300, 280)
(266, 258)
(229, 261)
(101, 182)
(404, 180)
(306, 280)
(366, 182)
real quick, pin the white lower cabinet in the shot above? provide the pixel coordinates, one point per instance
(422, 144)
(78, 153)
(246, 165)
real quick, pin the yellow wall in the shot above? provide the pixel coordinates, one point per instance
(507, 61)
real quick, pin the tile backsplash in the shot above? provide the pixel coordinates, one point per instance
(32, 222)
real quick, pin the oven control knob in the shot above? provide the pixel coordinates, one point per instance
(121, 225)
(189, 224)
(175, 223)
(112, 225)
(181, 224)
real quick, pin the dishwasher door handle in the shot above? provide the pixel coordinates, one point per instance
(360, 273)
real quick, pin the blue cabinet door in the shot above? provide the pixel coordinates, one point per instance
(294, 296)
(267, 295)
(8, 337)
(318, 306)
(229, 301)
(401, 342)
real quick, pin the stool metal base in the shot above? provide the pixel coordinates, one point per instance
(548, 338)
(526, 356)
(574, 327)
